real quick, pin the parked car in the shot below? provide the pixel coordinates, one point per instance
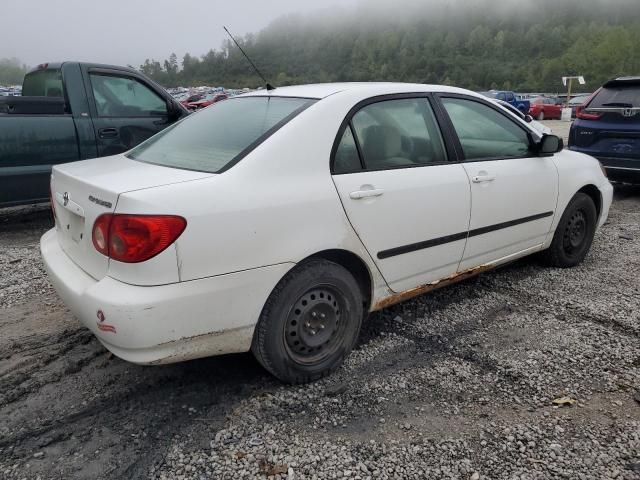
(191, 98)
(575, 102)
(277, 220)
(545, 108)
(539, 127)
(509, 97)
(72, 111)
(607, 126)
(207, 100)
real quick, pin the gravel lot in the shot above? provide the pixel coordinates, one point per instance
(456, 384)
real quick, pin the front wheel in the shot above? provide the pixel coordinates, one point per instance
(574, 233)
(310, 322)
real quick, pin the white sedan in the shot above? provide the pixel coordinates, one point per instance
(276, 221)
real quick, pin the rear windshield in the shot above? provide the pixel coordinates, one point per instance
(220, 135)
(43, 83)
(624, 97)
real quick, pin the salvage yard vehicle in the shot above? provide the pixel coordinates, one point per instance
(207, 100)
(509, 97)
(277, 220)
(545, 108)
(72, 111)
(607, 126)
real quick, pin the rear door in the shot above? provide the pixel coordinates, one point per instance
(406, 201)
(513, 192)
(125, 110)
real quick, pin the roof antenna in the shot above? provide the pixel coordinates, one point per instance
(268, 85)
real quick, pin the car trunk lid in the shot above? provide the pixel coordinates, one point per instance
(82, 191)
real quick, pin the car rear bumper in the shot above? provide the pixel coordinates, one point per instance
(166, 323)
(621, 169)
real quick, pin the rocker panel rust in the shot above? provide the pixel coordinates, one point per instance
(428, 287)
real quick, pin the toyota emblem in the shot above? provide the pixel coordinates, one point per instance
(65, 198)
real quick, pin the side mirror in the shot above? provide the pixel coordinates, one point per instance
(550, 144)
(528, 118)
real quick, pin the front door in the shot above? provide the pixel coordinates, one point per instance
(408, 204)
(127, 111)
(513, 191)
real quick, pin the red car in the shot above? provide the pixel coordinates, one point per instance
(545, 108)
(190, 99)
(207, 100)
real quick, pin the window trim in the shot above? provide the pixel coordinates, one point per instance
(130, 76)
(439, 96)
(449, 150)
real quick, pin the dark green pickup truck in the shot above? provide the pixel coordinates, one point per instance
(73, 111)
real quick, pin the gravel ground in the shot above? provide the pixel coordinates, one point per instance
(458, 384)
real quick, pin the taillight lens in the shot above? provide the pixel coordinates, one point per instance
(580, 113)
(135, 238)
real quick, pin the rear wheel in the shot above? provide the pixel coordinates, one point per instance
(574, 233)
(310, 322)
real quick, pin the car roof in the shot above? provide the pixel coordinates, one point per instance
(323, 90)
(620, 81)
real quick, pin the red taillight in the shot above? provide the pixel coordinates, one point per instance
(135, 238)
(580, 113)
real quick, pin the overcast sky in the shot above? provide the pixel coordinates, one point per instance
(129, 31)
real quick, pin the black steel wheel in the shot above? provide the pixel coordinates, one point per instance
(574, 233)
(310, 322)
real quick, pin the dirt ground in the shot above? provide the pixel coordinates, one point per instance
(456, 384)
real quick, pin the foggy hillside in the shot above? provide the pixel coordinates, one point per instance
(525, 45)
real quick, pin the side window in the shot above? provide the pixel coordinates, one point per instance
(347, 159)
(398, 133)
(125, 97)
(485, 133)
(510, 97)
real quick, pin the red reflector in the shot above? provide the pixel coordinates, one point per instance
(135, 238)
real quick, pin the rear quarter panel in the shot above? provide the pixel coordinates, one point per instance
(277, 205)
(29, 146)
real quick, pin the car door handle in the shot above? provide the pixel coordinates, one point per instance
(483, 178)
(358, 194)
(108, 132)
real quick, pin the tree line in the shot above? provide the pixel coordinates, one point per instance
(11, 71)
(477, 45)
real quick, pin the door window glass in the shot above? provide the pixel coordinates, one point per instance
(125, 97)
(398, 133)
(347, 159)
(484, 132)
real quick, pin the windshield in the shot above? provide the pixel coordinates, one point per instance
(625, 97)
(217, 137)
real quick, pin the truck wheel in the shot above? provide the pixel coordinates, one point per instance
(309, 323)
(541, 115)
(574, 233)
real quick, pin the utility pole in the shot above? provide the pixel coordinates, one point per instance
(580, 79)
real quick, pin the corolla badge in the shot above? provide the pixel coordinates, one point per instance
(65, 198)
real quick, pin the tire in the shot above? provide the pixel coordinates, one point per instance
(574, 233)
(309, 323)
(541, 115)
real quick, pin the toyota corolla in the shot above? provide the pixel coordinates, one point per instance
(274, 222)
